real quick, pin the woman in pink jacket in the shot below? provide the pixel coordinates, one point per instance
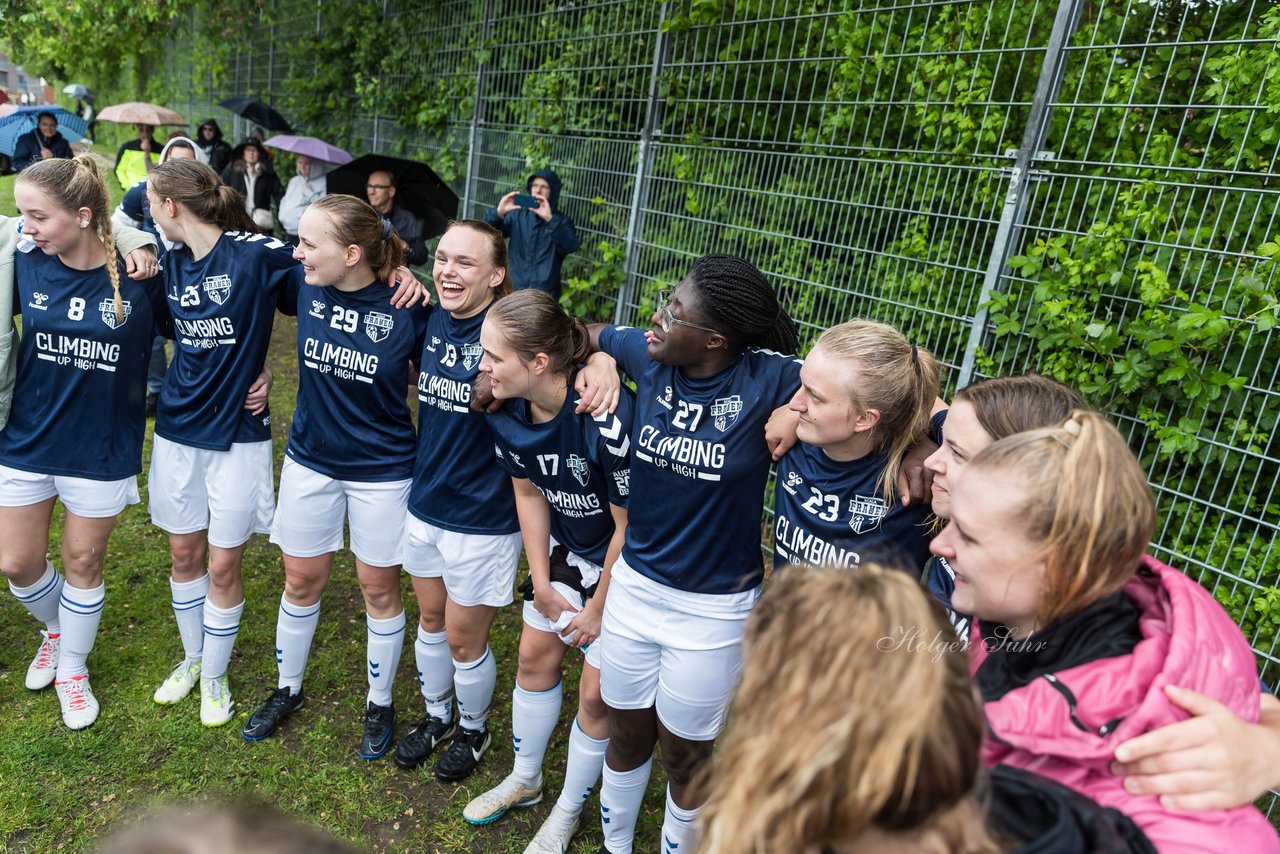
(1076, 632)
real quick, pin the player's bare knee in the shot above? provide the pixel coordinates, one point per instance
(22, 573)
(682, 759)
(302, 589)
(592, 712)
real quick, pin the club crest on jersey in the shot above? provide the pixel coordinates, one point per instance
(218, 288)
(39, 300)
(725, 411)
(107, 309)
(317, 308)
(471, 354)
(378, 326)
(867, 512)
(578, 467)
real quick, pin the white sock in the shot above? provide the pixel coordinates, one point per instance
(295, 627)
(435, 672)
(385, 643)
(582, 770)
(41, 598)
(621, 793)
(80, 612)
(188, 610)
(676, 824)
(474, 682)
(533, 718)
(221, 625)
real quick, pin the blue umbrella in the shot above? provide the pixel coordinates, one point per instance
(18, 121)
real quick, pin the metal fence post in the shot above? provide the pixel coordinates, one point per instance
(477, 114)
(644, 162)
(1015, 203)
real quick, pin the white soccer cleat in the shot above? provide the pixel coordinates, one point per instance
(79, 706)
(556, 832)
(45, 665)
(511, 793)
(216, 705)
(178, 684)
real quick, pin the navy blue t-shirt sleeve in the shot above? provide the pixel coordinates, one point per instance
(290, 289)
(613, 448)
(628, 347)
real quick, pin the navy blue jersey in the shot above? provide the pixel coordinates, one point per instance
(78, 402)
(223, 306)
(832, 513)
(352, 421)
(457, 482)
(581, 465)
(699, 465)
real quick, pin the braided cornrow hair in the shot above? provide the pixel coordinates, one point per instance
(739, 301)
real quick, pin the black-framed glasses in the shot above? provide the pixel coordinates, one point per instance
(666, 319)
(377, 186)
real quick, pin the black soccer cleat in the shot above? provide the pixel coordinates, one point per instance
(463, 755)
(379, 726)
(426, 735)
(263, 723)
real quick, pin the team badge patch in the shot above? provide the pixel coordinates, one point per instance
(378, 326)
(471, 354)
(725, 411)
(218, 288)
(578, 467)
(866, 513)
(107, 310)
(317, 308)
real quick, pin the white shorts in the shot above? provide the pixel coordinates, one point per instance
(478, 569)
(312, 508)
(534, 619)
(679, 652)
(231, 493)
(92, 499)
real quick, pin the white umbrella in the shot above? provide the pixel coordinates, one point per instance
(76, 90)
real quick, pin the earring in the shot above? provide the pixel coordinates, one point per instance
(84, 223)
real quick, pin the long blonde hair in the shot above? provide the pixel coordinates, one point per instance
(75, 184)
(855, 714)
(1088, 503)
(895, 377)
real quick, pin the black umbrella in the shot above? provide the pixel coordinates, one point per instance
(418, 189)
(258, 113)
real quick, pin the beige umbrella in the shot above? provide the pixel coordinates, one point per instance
(140, 112)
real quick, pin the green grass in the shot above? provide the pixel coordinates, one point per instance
(63, 789)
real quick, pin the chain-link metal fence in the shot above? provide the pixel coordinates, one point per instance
(1080, 188)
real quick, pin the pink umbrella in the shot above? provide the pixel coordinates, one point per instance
(316, 149)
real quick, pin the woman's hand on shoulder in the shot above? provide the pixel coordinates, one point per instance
(598, 386)
(409, 291)
(1211, 760)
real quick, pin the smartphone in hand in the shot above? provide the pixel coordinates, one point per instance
(524, 200)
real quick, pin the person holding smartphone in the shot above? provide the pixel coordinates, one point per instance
(539, 235)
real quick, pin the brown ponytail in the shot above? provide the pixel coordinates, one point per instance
(198, 189)
(533, 322)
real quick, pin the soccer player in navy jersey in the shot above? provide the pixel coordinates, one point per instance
(75, 429)
(866, 395)
(211, 479)
(708, 374)
(350, 452)
(571, 475)
(463, 536)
